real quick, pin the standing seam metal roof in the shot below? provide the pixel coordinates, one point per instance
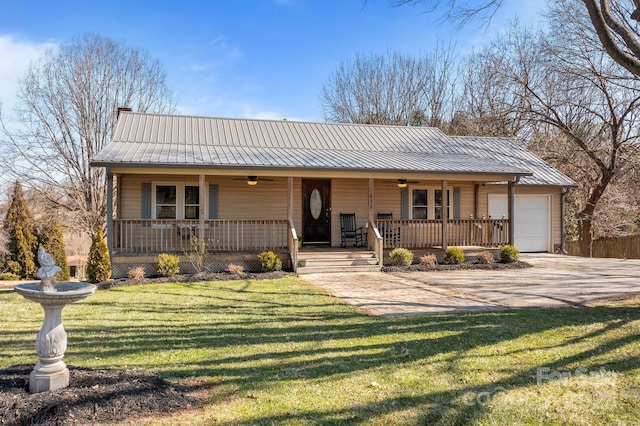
(182, 141)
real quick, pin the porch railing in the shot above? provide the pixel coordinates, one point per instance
(139, 236)
(292, 242)
(376, 241)
(428, 233)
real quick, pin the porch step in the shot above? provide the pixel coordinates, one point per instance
(337, 261)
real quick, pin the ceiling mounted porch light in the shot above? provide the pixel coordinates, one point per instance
(252, 180)
(402, 183)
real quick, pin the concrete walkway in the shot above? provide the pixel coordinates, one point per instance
(553, 281)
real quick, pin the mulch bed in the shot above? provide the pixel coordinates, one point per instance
(93, 396)
(193, 278)
(497, 266)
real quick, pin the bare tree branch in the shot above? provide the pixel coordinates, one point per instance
(67, 109)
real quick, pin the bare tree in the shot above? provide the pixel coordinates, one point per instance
(393, 89)
(485, 106)
(67, 109)
(614, 22)
(568, 86)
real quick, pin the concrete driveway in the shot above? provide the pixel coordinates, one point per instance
(553, 280)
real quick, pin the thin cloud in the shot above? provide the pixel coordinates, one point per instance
(16, 56)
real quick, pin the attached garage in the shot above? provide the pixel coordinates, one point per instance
(532, 220)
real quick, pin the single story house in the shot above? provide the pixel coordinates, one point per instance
(242, 186)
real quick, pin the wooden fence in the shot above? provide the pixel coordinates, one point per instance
(621, 248)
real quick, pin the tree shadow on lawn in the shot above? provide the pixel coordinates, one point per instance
(253, 344)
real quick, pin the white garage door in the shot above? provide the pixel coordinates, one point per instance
(531, 223)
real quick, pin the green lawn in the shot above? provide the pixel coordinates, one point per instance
(282, 352)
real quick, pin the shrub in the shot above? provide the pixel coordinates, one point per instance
(486, 257)
(8, 276)
(234, 269)
(168, 265)
(14, 267)
(270, 261)
(22, 243)
(429, 259)
(401, 256)
(197, 253)
(51, 238)
(99, 264)
(509, 254)
(136, 274)
(453, 256)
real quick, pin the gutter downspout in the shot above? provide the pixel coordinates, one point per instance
(511, 209)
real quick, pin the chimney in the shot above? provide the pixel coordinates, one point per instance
(121, 109)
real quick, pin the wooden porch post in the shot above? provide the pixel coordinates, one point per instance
(445, 214)
(290, 198)
(476, 212)
(202, 196)
(370, 212)
(511, 202)
(110, 212)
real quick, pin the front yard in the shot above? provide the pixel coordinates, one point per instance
(282, 352)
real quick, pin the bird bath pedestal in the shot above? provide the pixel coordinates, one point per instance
(51, 372)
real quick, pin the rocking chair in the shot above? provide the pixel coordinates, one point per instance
(348, 230)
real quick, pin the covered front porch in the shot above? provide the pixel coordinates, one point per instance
(154, 236)
(281, 223)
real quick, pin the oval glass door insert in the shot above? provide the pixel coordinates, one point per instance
(315, 204)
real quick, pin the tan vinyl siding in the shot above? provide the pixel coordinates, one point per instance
(386, 198)
(131, 196)
(348, 196)
(297, 205)
(237, 200)
(467, 199)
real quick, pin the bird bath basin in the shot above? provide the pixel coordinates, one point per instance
(51, 373)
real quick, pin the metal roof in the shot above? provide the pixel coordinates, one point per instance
(157, 140)
(511, 152)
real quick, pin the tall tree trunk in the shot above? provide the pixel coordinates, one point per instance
(585, 233)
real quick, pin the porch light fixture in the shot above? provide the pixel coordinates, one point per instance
(402, 183)
(252, 180)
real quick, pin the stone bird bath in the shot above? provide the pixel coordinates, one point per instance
(51, 373)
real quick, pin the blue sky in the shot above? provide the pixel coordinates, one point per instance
(240, 58)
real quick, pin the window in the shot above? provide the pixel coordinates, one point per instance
(191, 202)
(175, 201)
(437, 203)
(426, 203)
(166, 201)
(420, 203)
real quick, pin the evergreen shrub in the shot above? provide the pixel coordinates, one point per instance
(270, 261)
(453, 256)
(509, 254)
(168, 265)
(401, 256)
(51, 238)
(99, 263)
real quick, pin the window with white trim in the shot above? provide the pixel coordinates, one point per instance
(191, 202)
(175, 201)
(420, 204)
(437, 203)
(426, 203)
(165, 201)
